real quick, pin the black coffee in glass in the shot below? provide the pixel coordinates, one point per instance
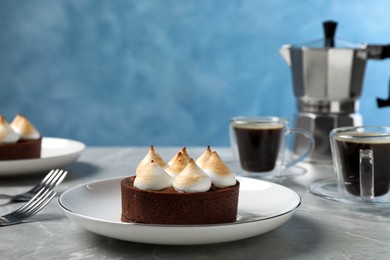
(258, 145)
(349, 150)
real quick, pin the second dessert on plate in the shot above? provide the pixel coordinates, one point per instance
(19, 139)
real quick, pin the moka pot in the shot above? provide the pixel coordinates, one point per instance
(327, 83)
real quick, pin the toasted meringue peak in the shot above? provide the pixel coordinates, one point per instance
(7, 134)
(204, 157)
(183, 152)
(150, 156)
(24, 128)
(179, 164)
(192, 179)
(152, 178)
(220, 174)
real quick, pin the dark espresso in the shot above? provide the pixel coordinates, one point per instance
(349, 159)
(258, 145)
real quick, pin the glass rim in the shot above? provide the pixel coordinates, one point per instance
(357, 132)
(258, 119)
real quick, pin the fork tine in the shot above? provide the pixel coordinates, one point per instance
(48, 176)
(46, 198)
(30, 207)
(57, 178)
(42, 203)
(32, 201)
(61, 176)
(28, 195)
(42, 183)
(52, 179)
(39, 204)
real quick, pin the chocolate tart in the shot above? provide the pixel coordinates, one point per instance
(23, 149)
(167, 206)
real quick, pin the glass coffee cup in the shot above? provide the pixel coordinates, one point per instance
(259, 146)
(361, 160)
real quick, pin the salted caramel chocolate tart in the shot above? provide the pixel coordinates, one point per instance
(23, 149)
(169, 206)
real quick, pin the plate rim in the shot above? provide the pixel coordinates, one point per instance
(63, 207)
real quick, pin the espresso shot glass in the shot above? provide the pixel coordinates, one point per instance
(259, 146)
(361, 160)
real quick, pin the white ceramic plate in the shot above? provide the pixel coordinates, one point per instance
(56, 152)
(262, 206)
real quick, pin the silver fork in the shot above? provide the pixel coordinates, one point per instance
(35, 204)
(51, 180)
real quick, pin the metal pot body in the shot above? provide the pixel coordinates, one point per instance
(327, 84)
(326, 74)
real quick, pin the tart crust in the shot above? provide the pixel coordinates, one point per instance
(23, 149)
(168, 206)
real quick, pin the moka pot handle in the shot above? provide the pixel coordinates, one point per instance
(378, 52)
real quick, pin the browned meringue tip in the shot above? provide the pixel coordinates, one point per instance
(190, 168)
(179, 154)
(215, 157)
(191, 163)
(178, 165)
(208, 149)
(151, 157)
(21, 122)
(180, 159)
(19, 118)
(216, 164)
(184, 151)
(204, 157)
(2, 119)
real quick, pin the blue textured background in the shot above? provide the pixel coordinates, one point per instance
(168, 72)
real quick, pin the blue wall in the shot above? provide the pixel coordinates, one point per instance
(168, 72)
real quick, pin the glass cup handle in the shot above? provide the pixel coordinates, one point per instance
(366, 174)
(306, 153)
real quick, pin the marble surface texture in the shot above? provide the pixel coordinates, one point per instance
(320, 229)
(131, 73)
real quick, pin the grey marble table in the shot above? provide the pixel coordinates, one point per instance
(320, 229)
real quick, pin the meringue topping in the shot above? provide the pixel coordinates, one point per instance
(150, 156)
(179, 164)
(220, 174)
(152, 177)
(7, 134)
(204, 157)
(192, 179)
(22, 126)
(183, 152)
